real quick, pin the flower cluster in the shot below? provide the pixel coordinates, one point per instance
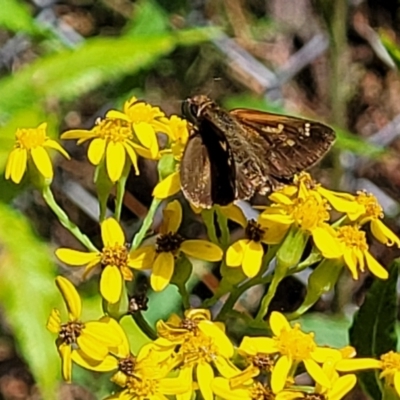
(304, 225)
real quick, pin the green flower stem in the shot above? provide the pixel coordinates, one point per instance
(144, 326)
(208, 218)
(121, 191)
(65, 221)
(237, 292)
(279, 274)
(147, 222)
(223, 226)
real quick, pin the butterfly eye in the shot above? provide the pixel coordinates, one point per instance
(190, 111)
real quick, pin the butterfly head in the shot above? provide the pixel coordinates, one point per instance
(193, 107)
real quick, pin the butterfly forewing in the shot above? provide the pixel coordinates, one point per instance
(207, 170)
(292, 144)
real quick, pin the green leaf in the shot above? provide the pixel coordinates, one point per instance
(374, 328)
(71, 73)
(149, 19)
(15, 17)
(27, 295)
(348, 141)
(330, 330)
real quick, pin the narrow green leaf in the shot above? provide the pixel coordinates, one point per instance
(99, 61)
(149, 19)
(27, 295)
(374, 328)
(15, 17)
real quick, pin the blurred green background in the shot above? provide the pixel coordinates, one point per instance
(68, 62)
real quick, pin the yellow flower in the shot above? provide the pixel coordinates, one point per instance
(148, 362)
(308, 212)
(248, 253)
(114, 259)
(145, 120)
(339, 385)
(251, 390)
(113, 139)
(82, 342)
(340, 201)
(31, 143)
(201, 344)
(168, 246)
(177, 130)
(389, 363)
(293, 347)
(355, 252)
(371, 211)
(152, 388)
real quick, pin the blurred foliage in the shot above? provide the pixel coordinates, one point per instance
(157, 40)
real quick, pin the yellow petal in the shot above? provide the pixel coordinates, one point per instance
(96, 151)
(235, 253)
(147, 137)
(342, 386)
(222, 388)
(115, 160)
(75, 257)
(375, 267)
(280, 374)
(234, 213)
(90, 348)
(202, 250)
(205, 375)
(162, 271)
(103, 333)
(133, 157)
(122, 349)
(112, 233)
(111, 284)
(70, 296)
(252, 259)
(327, 244)
(351, 261)
(78, 134)
(56, 146)
(142, 258)
(16, 165)
(317, 373)
(396, 381)
(223, 343)
(65, 352)
(383, 233)
(54, 321)
(254, 345)
(278, 323)
(172, 217)
(42, 161)
(168, 187)
(357, 364)
(109, 363)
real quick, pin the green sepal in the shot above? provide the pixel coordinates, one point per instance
(321, 280)
(292, 248)
(103, 188)
(182, 272)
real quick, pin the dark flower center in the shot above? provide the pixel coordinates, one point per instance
(127, 365)
(70, 331)
(254, 231)
(168, 243)
(189, 324)
(263, 361)
(116, 255)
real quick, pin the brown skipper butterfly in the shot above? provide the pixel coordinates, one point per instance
(235, 154)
